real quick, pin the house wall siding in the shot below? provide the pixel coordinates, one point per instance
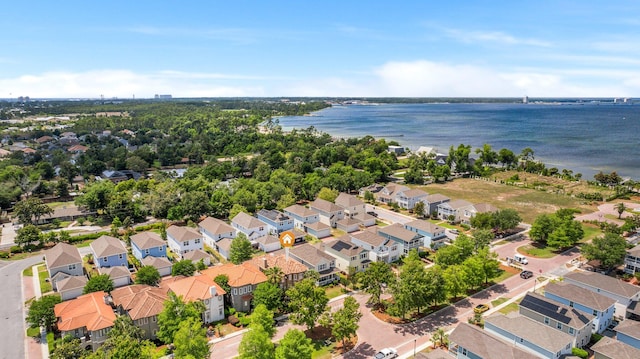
(601, 321)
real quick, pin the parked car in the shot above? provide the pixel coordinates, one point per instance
(386, 353)
(481, 308)
(526, 274)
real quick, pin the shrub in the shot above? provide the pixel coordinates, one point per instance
(5, 255)
(579, 353)
(595, 337)
(15, 249)
(233, 320)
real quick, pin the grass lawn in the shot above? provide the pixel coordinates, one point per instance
(321, 351)
(50, 340)
(505, 272)
(333, 291)
(380, 223)
(27, 272)
(511, 307)
(45, 286)
(590, 232)
(33, 332)
(538, 251)
(497, 302)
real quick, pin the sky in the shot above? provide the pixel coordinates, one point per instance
(126, 49)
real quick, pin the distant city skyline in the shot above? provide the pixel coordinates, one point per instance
(75, 49)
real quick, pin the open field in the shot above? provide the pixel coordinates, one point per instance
(530, 203)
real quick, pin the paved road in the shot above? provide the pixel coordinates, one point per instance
(389, 216)
(12, 330)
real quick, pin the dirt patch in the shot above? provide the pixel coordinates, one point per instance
(318, 333)
(509, 269)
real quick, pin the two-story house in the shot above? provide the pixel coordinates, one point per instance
(380, 248)
(183, 239)
(409, 198)
(470, 342)
(276, 221)
(632, 260)
(389, 193)
(243, 280)
(201, 288)
(143, 304)
(609, 348)
(628, 332)
(431, 203)
(559, 316)
(351, 205)
(529, 335)
(213, 230)
(349, 257)
(292, 271)
(63, 261)
(329, 213)
(459, 210)
(406, 239)
(88, 318)
(109, 252)
(315, 259)
(433, 235)
(302, 216)
(622, 292)
(145, 244)
(249, 225)
(601, 307)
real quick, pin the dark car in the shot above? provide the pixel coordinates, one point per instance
(525, 274)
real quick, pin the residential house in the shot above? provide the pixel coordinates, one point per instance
(276, 221)
(628, 332)
(380, 248)
(432, 234)
(389, 192)
(223, 247)
(559, 316)
(622, 292)
(64, 213)
(77, 149)
(213, 230)
(162, 264)
(470, 342)
(142, 303)
(44, 139)
(88, 318)
(292, 270)
(459, 209)
(365, 219)
(431, 203)
(349, 257)
(145, 244)
(351, 205)
(529, 335)
(409, 198)
(302, 216)
(315, 259)
(609, 348)
(71, 287)
(329, 213)
(601, 307)
(243, 280)
(197, 256)
(318, 230)
(348, 224)
(201, 288)
(120, 275)
(109, 252)
(183, 239)
(406, 239)
(268, 243)
(249, 225)
(373, 189)
(397, 150)
(632, 260)
(120, 176)
(63, 260)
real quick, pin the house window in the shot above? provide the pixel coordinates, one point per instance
(72, 266)
(571, 331)
(571, 304)
(120, 256)
(197, 241)
(146, 251)
(559, 325)
(394, 248)
(104, 259)
(595, 312)
(153, 319)
(546, 320)
(464, 351)
(521, 340)
(235, 291)
(186, 243)
(363, 255)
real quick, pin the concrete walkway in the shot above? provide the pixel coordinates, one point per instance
(44, 346)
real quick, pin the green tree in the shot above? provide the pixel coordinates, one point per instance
(490, 263)
(328, 194)
(62, 188)
(97, 283)
(41, 312)
(148, 275)
(483, 220)
(28, 235)
(610, 249)
(413, 277)
(418, 209)
(567, 233)
(294, 345)
(191, 340)
(195, 204)
(223, 281)
(454, 281)
(240, 249)
(256, 344)
(620, 208)
(175, 311)
(474, 272)
(263, 317)
(184, 267)
(235, 209)
(268, 294)
(307, 302)
(542, 228)
(275, 274)
(345, 320)
(97, 195)
(482, 238)
(124, 341)
(506, 219)
(374, 279)
(67, 347)
(30, 210)
(439, 337)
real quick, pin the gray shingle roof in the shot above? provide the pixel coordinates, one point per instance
(534, 332)
(424, 226)
(611, 348)
(347, 200)
(72, 282)
(604, 282)
(397, 230)
(115, 272)
(324, 206)
(158, 262)
(555, 310)
(630, 328)
(106, 246)
(310, 254)
(215, 226)
(196, 255)
(245, 220)
(147, 240)
(580, 295)
(62, 254)
(300, 211)
(486, 345)
(182, 234)
(370, 237)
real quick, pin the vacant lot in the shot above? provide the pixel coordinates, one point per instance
(530, 203)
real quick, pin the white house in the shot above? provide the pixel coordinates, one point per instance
(119, 275)
(252, 227)
(380, 248)
(183, 239)
(203, 289)
(329, 212)
(213, 230)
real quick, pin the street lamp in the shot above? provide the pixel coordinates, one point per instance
(414, 346)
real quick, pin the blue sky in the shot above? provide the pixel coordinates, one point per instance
(320, 48)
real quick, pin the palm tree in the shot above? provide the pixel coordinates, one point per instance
(440, 337)
(620, 207)
(274, 274)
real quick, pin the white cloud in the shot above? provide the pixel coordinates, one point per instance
(123, 84)
(497, 37)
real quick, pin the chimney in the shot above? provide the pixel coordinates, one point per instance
(213, 290)
(265, 265)
(107, 299)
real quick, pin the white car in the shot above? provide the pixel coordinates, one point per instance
(386, 353)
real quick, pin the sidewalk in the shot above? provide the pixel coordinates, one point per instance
(31, 289)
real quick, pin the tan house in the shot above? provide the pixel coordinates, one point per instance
(292, 270)
(88, 318)
(243, 280)
(143, 304)
(203, 289)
